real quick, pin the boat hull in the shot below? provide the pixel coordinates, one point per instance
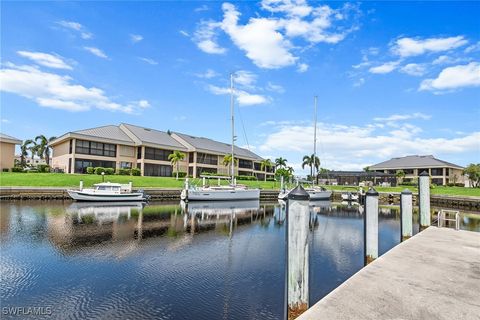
(220, 195)
(314, 195)
(84, 196)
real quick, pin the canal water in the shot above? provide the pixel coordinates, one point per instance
(171, 261)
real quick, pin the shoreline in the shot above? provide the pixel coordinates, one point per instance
(470, 203)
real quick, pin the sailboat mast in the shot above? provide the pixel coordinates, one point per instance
(232, 165)
(314, 140)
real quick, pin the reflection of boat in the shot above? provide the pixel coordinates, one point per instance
(103, 211)
(323, 204)
(220, 207)
(108, 191)
(350, 195)
(222, 193)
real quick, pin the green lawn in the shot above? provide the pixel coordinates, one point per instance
(72, 180)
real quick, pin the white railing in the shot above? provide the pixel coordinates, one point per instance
(447, 215)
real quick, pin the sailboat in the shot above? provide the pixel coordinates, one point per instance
(315, 192)
(222, 193)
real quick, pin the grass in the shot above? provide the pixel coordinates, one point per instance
(72, 180)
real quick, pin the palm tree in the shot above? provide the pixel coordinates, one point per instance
(311, 161)
(175, 159)
(280, 162)
(227, 161)
(400, 175)
(266, 164)
(43, 147)
(24, 152)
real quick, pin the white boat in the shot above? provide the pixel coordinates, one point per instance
(107, 191)
(222, 193)
(350, 195)
(315, 193)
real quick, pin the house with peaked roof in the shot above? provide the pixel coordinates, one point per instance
(128, 146)
(441, 172)
(7, 151)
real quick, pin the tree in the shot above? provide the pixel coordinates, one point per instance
(43, 150)
(311, 161)
(24, 148)
(266, 164)
(400, 175)
(366, 169)
(286, 173)
(175, 159)
(473, 172)
(280, 162)
(227, 162)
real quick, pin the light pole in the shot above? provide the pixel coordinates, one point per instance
(103, 176)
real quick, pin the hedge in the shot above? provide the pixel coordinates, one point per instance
(124, 172)
(136, 172)
(17, 169)
(90, 170)
(181, 174)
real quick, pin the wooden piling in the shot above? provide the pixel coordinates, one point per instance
(298, 216)
(371, 225)
(406, 212)
(424, 199)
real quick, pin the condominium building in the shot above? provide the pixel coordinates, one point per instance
(442, 172)
(128, 146)
(7, 151)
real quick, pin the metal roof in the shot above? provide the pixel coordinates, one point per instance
(146, 135)
(413, 162)
(7, 138)
(106, 132)
(205, 144)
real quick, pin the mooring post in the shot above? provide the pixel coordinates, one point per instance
(406, 209)
(424, 199)
(371, 225)
(281, 183)
(81, 185)
(298, 216)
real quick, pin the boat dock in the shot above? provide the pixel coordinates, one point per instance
(433, 275)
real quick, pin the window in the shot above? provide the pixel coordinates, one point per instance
(81, 165)
(408, 171)
(70, 147)
(157, 170)
(190, 157)
(437, 171)
(437, 181)
(95, 148)
(246, 164)
(257, 166)
(206, 158)
(125, 165)
(423, 169)
(157, 154)
(245, 173)
(447, 172)
(201, 170)
(139, 152)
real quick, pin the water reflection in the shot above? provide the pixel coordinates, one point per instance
(175, 260)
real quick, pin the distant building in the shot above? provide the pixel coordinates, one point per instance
(29, 161)
(128, 146)
(354, 178)
(442, 172)
(7, 151)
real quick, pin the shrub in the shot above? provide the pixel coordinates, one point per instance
(99, 170)
(109, 171)
(43, 168)
(136, 172)
(206, 173)
(455, 184)
(124, 172)
(90, 170)
(17, 169)
(181, 174)
(248, 178)
(5, 170)
(270, 179)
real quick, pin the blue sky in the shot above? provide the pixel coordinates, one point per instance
(392, 78)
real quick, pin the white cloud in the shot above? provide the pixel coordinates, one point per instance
(473, 48)
(136, 38)
(209, 74)
(245, 78)
(76, 27)
(402, 117)
(143, 104)
(243, 98)
(148, 60)
(385, 68)
(96, 51)
(184, 33)
(46, 59)
(360, 82)
(5, 120)
(56, 91)
(206, 38)
(201, 8)
(453, 78)
(302, 67)
(267, 41)
(275, 88)
(345, 147)
(414, 69)
(407, 47)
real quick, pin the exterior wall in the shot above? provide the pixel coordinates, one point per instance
(442, 179)
(7, 158)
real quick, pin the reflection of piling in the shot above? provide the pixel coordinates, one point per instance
(424, 199)
(406, 209)
(298, 216)
(371, 225)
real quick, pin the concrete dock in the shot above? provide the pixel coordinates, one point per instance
(433, 275)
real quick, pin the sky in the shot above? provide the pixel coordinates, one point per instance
(392, 78)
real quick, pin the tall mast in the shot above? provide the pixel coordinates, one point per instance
(232, 165)
(314, 140)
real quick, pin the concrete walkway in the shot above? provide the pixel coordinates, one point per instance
(433, 275)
